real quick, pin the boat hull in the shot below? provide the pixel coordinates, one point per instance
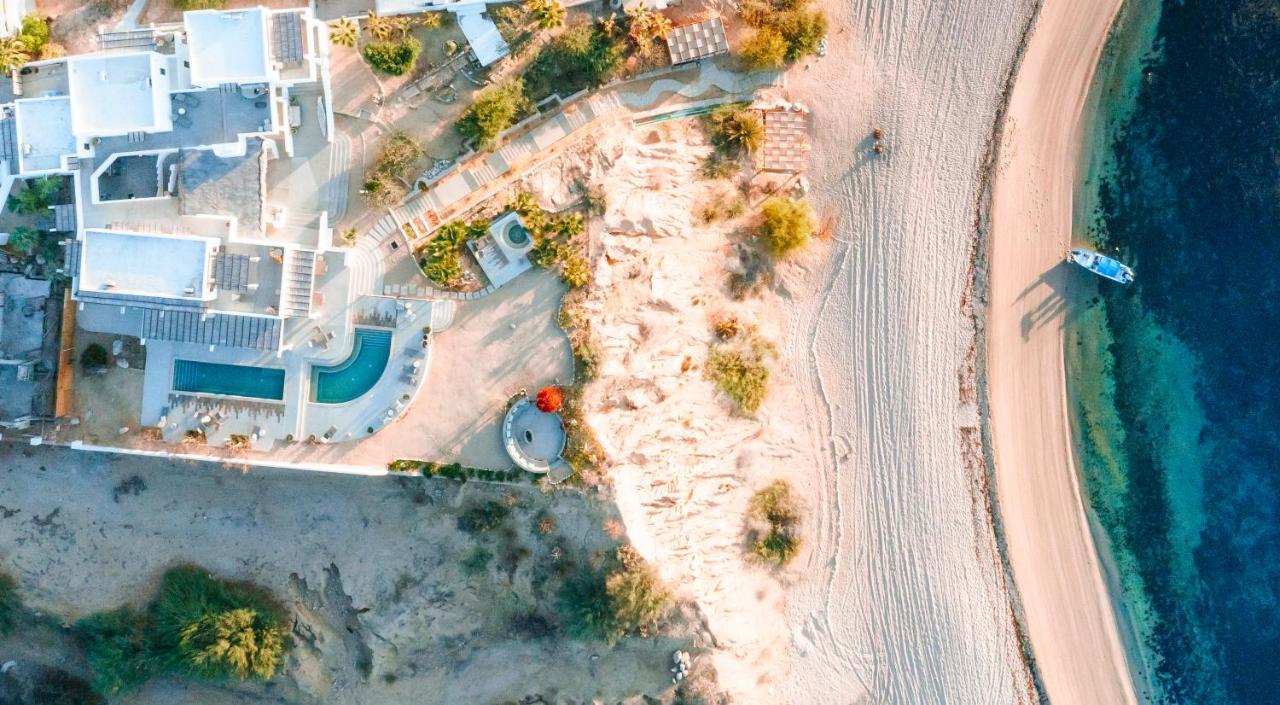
(1103, 266)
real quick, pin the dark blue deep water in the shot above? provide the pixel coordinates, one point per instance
(1175, 380)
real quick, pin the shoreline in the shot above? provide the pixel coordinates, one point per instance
(1067, 607)
(1110, 103)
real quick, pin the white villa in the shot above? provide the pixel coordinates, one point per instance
(205, 169)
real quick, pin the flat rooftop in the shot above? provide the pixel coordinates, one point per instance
(228, 46)
(115, 94)
(43, 132)
(136, 264)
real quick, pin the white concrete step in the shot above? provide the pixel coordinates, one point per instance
(442, 313)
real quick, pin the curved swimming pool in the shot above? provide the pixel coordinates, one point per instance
(355, 376)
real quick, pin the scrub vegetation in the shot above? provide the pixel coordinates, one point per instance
(196, 626)
(624, 598)
(772, 524)
(783, 33)
(739, 366)
(385, 182)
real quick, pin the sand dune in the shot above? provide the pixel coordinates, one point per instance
(901, 599)
(1071, 623)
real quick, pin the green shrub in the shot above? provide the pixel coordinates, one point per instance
(23, 240)
(196, 625)
(773, 515)
(782, 35)
(766, 48)
(575, 271)
(241, 642)
(34, 34)
(116, 646)
(495, 110)
(802, 30)
(185, 5)
(216, 628)
(786, 225)
(10, 604)
(627, 600)
(384, 182)
(94, 358)
(483, 517)
(582, 56)
(740, 369)
(36, 195)
(393, 57)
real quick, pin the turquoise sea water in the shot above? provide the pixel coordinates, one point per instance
(1175, 380)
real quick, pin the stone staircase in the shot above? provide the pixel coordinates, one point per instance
(298, 284)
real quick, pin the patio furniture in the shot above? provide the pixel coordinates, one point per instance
(182, 121)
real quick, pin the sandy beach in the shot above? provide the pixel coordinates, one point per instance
(901, 598)
(1055, 562)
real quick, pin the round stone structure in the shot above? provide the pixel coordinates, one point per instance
(533, 438)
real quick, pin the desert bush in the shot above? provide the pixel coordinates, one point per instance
(773, 515)
(802, 30)
(786, 224)
(215, 628)
(393, 57)
(766, 48)
(116, 645)
(728, 328)
(483, 517)
(196, 625)
(583, 56)
(575, 271)
(626, 600)
(397, 152)
(185, 5)
(496, 109)
(10, 604)
(740, 369)
(94, 357)
(781, 35)
(384, 183)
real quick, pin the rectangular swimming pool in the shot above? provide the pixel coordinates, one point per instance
(234, 380)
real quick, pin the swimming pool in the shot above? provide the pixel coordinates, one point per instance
(233, 380)
(353, 377)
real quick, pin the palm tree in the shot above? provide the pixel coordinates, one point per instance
(379, 27)
(646, 27)
(13, 54)
(344, 32)
(431, 20)
(609, 25)
(743, 130)
(401, 25)
(548, 13)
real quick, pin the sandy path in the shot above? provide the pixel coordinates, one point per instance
(1070, 620)
(900, 597)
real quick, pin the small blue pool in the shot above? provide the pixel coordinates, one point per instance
(233, 380)
(355, 376)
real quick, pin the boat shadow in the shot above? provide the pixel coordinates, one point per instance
(1048, 299)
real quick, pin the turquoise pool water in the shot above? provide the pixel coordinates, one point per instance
(353, 377)
(235, 380)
